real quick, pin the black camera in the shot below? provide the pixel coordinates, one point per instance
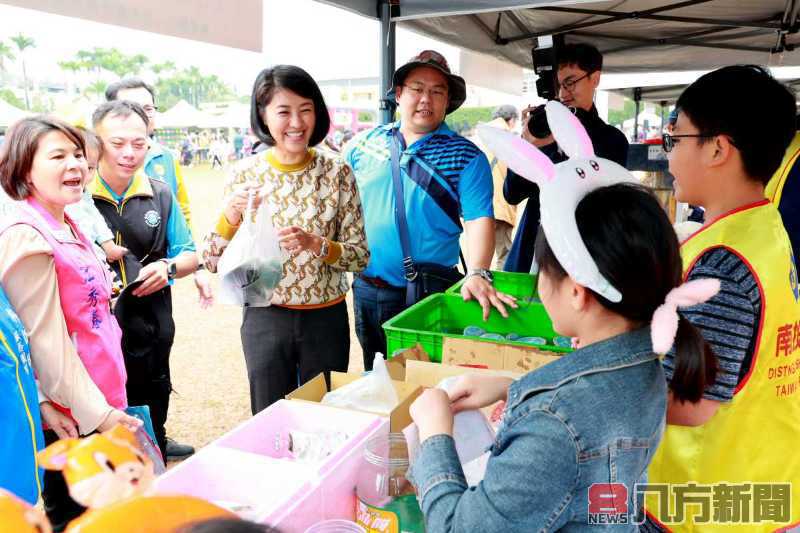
(537, 123)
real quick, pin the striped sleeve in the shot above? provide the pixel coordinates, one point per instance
(728, 322)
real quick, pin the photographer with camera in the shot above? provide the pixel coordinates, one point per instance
(579, 68)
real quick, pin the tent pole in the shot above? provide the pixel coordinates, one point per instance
(386, 45)
(637, 98)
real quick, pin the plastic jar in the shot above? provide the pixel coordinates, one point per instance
(387, 502)
(335, 526)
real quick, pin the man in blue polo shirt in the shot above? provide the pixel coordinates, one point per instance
(445, 178)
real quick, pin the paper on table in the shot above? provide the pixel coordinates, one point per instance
(472, 434)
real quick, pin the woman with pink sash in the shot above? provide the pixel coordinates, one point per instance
(61, 292)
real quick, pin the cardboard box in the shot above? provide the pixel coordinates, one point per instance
(493, 356)
(426, 374)
(397, 364)
(314, 390)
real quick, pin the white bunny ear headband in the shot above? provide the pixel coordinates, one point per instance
(561, 187)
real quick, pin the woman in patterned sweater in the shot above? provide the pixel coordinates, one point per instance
(316, 207)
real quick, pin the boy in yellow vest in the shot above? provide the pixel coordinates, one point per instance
(783, 190)
(729, 462)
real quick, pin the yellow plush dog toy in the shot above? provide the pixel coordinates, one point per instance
(108, 473)
(18, 516)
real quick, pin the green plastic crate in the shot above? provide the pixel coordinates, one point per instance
(519, 285)
(446, 315)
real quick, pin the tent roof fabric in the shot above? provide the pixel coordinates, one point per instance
(670, 93)
(638, 35)
(182, 115)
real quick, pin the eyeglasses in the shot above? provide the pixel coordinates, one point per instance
(435, 93)
(668, 141)
(150, 109)
(569, 85)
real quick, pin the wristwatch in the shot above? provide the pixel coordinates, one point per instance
(482, 272)
(172, 268)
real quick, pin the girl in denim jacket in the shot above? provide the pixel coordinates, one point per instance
(577, 435)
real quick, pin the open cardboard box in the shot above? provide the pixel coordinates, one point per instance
(493, 356)
(397, 364)
(399, 418)
(427, 374)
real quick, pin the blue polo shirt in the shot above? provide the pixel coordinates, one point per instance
(445, 178)
(160, 165)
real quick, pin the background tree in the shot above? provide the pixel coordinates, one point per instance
(165, 68)
(23, 42)
(193, 86)
(95, 89)
(11, 98)
(5, 53)
(172, 84)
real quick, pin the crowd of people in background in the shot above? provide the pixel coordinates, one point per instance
(215, 148)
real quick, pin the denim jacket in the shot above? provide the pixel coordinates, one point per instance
(593, 417)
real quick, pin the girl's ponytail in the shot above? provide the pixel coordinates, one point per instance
(695, 363)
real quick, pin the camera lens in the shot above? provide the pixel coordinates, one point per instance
(537, 124)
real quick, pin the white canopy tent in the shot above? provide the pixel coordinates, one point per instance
(633, 35)
(234, 116)
(669, 93)
(183, 115)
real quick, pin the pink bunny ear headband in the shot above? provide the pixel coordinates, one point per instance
(665, 319)
(562, 187)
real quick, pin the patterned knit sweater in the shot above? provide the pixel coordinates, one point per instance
(320, 196)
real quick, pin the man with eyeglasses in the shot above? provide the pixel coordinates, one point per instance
(444, 178)
(159, 164)
(579, 69)
(743, 432)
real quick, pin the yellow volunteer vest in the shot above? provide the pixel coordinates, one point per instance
(755, 437)
(774, 188)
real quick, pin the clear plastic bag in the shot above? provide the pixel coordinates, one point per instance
(472, 433)
(252, 265)
(374, 392)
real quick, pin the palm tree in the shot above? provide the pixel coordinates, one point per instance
(22, 43)
(166, 67)
(195, 79)
(97, 89)
(5, 53)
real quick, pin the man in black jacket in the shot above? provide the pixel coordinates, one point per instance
(579, 67)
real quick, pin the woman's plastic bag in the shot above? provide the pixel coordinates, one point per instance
(252, 265)
(374, 392)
